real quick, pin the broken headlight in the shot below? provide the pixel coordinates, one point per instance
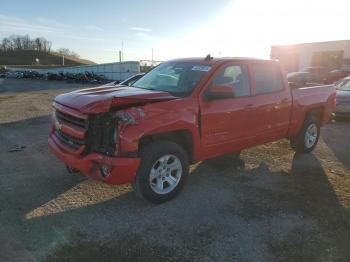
(102, 135)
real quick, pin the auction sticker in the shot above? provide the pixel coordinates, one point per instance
(201, 68)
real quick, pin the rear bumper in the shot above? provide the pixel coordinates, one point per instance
(123, 169)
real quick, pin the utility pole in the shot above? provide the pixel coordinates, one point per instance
(122, 57)
(35, 55)
(119, 66)
(152, 56)
(63, 60)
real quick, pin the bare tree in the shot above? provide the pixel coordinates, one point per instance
(67, 52)
(64, 51)
(6, 44)
(17, 42)
(26, 42)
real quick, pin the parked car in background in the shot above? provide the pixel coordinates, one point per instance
(335, 75)
(127, 82)
(181, 112)
(131, 80)
(343, 97)
(320, 71)
(303, 79)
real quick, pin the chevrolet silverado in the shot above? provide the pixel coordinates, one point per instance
(181, 112)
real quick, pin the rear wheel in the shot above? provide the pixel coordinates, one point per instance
(308, 136)
(162, 173)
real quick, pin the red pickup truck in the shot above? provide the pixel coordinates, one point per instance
(181, 112)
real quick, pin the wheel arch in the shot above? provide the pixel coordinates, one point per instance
(315, 112)
(182, 137)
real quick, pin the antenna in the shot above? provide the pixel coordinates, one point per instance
(208, 58)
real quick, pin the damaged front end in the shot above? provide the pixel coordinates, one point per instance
(102, 134)
(89, 127)
(90, 143)
(104, 129)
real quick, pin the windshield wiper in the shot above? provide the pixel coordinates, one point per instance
(144, 88)
(169, 92)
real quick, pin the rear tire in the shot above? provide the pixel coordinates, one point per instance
(308, 136)
(162, 173)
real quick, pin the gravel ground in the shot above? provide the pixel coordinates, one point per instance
(271, 205)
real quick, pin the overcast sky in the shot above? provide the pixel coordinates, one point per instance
(181, 28)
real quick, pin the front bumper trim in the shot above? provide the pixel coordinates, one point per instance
(123, 169)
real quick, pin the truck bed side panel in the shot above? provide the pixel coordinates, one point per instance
(309, 98)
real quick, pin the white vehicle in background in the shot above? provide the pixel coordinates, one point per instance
(127, 82)
(343, 97)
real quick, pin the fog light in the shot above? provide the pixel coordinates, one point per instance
(105, 170)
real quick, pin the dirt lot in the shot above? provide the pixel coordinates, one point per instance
(272, 205)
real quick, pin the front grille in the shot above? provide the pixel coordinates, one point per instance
(70, 141)
(74, 122)
(99, 129)
(101, 134)
(71, 120)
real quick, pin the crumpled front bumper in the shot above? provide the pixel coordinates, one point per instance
(122, 169)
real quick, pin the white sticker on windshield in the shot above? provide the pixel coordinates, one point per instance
(201, 68)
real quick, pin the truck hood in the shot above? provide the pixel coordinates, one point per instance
(102, 99)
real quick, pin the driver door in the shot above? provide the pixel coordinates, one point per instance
(227, 124)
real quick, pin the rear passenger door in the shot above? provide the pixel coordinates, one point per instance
(273, 102)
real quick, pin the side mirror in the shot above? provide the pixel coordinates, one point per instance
(220, 92)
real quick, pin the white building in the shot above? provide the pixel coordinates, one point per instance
(332, 54)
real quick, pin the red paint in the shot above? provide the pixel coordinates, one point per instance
(216, 126)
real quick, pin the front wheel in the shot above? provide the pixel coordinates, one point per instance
(308, 136)
(162, 173)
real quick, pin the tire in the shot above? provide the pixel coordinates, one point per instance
(236, 155)
(308, 136)
(162, 173)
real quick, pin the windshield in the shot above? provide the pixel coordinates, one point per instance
(344, 85)
(175, 77)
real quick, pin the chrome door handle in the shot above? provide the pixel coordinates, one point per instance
(249, 107)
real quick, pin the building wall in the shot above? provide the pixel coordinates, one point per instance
(306, 51)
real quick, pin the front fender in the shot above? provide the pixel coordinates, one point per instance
(158, 118)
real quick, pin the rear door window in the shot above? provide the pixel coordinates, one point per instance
(268, 78)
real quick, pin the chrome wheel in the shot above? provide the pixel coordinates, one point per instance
(311, 135)
(165, 174)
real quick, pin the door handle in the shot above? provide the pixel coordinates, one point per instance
(278, 104)
(284, 100)
(249, 107)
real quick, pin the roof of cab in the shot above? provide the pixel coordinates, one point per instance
(214, 60)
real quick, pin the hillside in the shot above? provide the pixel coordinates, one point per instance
(27, 57)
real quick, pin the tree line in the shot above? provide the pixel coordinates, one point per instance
(18, 42)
